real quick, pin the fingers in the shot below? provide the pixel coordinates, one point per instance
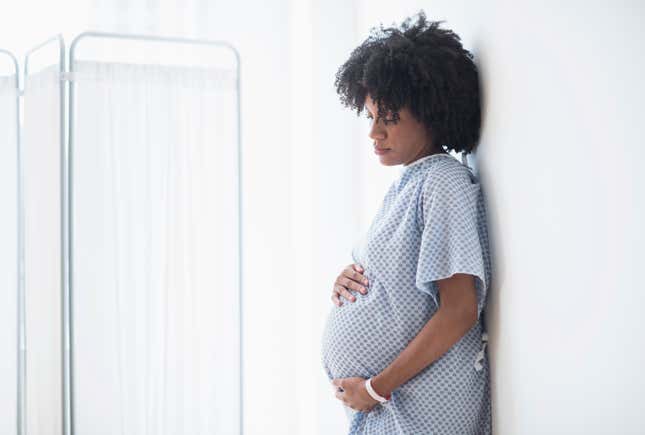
(352, 285)
(345, 293)
(354, 279)
(338, 389)
(351, 278)
(338, 291)
(342, 398)
(335, 293)
(338, 384)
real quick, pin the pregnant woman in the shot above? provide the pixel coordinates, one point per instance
(404, 344)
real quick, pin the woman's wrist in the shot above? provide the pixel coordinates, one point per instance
(381, 386)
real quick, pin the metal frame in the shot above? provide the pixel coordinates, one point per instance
(20, 341)
(61, 66)
(69, 416)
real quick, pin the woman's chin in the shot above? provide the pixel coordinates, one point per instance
(388, 160)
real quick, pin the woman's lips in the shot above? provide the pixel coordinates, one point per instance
(381, 151)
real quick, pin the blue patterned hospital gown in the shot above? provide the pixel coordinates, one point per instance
(430, 225)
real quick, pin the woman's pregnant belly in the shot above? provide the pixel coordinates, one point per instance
(361, 338)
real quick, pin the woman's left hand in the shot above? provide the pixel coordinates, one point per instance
(354, 393)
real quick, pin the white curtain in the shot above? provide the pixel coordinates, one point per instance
(43, 289)
(155, 250)
(8, 254)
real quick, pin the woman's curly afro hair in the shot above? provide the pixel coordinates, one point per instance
(424, 68)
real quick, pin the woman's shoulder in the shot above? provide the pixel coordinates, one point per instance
(449, 173)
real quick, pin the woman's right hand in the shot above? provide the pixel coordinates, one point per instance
(351, 278)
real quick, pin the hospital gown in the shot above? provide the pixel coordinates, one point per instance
(430, 225)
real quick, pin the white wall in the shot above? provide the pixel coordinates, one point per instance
(562, 149)
(324, 212)
(560, 158)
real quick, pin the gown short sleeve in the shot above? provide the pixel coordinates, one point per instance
(451, 233)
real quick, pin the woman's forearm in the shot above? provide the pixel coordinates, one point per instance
(445, 328)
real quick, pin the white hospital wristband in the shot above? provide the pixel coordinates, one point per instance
(371, 392)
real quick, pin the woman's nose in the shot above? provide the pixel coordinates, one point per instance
(376, 132)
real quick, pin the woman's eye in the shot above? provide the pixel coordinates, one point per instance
(385, 121)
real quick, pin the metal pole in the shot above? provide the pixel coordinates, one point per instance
(20, 274)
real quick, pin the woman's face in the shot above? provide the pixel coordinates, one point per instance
(403, 142)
